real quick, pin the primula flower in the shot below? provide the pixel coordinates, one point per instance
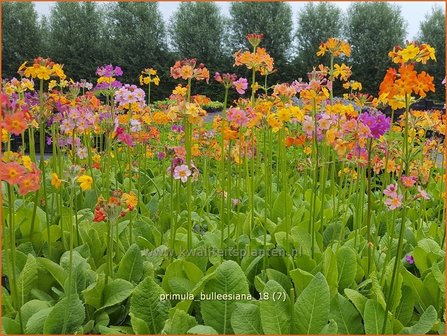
(182, 173)
(422, 194)
(56, 182)
(254, 39)
(394, 202)
(409, 259)
(11, 172)
(408, 181)
(391, 190)
(241, 85)
(29, 182)
(85, 182)
(15, 123)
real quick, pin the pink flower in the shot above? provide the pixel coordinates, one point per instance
(408, 181)
(237, 116)
(394, 202)
(181, 173)
(422, 194)
(391, 190)
(241, 85)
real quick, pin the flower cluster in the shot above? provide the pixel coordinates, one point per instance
(115, 207)
(148, 76)
(19, 170)
(336, 47)
(42, 68)
(130, 96)
(186, 69)
(230, 80)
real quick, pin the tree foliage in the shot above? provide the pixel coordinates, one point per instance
(20, 36)
(316, 23)
(72, 41)
(273, 19)
(373, 29)
(432, 31)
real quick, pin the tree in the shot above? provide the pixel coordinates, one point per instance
(21, 40)
(373, 29)
(197, 31)
(432, 31)
(273, 19)
(75, 38)
(316, 24)
(137, 39)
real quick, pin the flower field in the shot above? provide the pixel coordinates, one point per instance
(292, 211)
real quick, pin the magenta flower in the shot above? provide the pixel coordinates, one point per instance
(378, 123)
(409, 259)
(181, 173)
(241, 85)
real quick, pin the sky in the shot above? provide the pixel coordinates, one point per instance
(413, 11)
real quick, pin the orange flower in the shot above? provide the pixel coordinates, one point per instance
(29, 183)
(15, 123)
(336, 47)
(11, 172)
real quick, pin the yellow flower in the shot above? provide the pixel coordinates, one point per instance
(156, 80)
(52, 84)
(5, 135)
(307, 150)
(85, 182)
(179, 90)
(96, 158)
(130, 200)
(152, 72)
(43, 72)
(409, 53)
(55, 181)
(27, 163)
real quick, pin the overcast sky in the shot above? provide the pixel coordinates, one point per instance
(413, 11)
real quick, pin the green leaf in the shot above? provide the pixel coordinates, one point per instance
(359, 300)
(145, 304)
(32, 307)
(275, 311)
(179, 322)
(36, 322)
(202, 330)
(246, 319)
(346, 316)
(131, 265)
(66, 316)
(279, 206)
(280, 278)
(300, 279)
(27, 280)
(347, 267)
(93, 294)
(57, 271)
(330, 329)
(229, 280)
(312, 307)
(425, 323)
(10, 326)
(116, 292)
(373, 318)
(405, 309)
(330, 270)
(139, 326)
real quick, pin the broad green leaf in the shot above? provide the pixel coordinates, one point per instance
(116, 292)
(359, 300)
(145, 304)
(179, 322)
(36, 322)
(279, 206)
(246, 319)
(10, 326)
(57, 271)
(347, 268)
(32, 307)
(131, 265)
(229, 280)
(330, 329)
(373, 318)
(93, 294)
(139, 326)
(330, 270)
(276, 310)
(404, 311)
(425, 323)
(27, 280)
(312, 307)
(300, 279)
(346, 316)
(66, 316)
(280, 278)
(202, 330)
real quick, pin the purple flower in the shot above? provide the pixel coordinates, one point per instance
(409, 259)
(160, 155)
(378, 123)
(49, 141)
